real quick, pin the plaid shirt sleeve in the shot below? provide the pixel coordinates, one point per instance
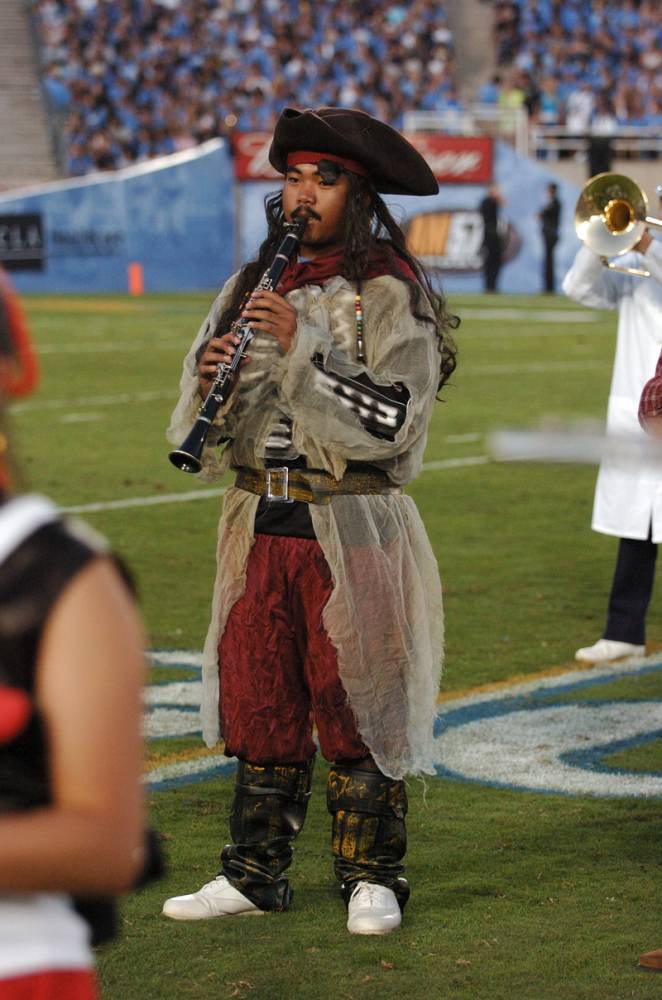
(650, 404)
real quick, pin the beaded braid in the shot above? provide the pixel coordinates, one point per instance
(367, 221)
(358, 312)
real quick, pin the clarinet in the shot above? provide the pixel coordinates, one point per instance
(187, 456)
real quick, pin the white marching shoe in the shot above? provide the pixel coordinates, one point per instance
(215, 899)
(605, 650)
(372, 909)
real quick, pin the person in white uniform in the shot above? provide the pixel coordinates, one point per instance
(628, 495)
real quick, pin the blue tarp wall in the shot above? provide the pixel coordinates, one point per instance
(186, 222)
(174, 216)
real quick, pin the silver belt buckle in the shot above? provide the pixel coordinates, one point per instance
(278, 485)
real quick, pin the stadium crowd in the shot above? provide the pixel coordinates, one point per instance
(135, 79)
(591, 65)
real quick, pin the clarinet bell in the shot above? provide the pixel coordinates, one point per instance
(185, 462)
(187, 456)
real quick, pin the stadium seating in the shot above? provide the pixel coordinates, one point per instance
(591, 65)
(133, 80)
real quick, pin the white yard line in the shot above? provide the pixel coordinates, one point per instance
(534, 368)
(532, 315)
(454, 463)
(80, 418)
(112, 347)
(75, 402)
(462, 438)
(159, 498)
(93, 508)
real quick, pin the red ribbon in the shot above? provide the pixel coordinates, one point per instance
(15, 710)
(19, 371)
(315, 272)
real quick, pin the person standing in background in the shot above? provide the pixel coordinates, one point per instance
(492, 248)
(650, 418)
(650, 404)
(628, 498)
(550, 217)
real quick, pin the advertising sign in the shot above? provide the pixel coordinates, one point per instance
(453, 240)
(21, 242)
(250, 153)
(454, 159)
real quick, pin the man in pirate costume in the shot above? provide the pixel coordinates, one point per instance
(327, 604)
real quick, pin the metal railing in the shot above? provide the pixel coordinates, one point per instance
(553, 142)
(550, 142)
(509, 124)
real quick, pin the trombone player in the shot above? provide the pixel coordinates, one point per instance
(611, 220)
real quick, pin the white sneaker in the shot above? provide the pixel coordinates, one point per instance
(373, 909)
(605, 650)
(215, 899)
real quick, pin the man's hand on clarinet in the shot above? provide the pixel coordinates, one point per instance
(219, 351)
(268, 311)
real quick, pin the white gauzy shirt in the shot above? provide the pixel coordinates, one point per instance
(628, 494)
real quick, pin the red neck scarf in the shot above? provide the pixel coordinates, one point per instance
(315, 272)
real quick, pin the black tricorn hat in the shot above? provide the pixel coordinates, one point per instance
(392, 163)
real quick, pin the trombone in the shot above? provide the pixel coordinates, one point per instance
(611, 217)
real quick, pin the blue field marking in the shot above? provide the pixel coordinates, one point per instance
(593, 758)
(167, 777)
(520, 736)
(524, 738)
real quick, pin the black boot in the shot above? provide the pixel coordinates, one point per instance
(268, 811)
(368, 835)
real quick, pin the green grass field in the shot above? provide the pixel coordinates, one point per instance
(515, 894)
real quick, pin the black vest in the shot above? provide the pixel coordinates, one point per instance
(32, 578)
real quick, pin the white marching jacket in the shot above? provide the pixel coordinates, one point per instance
(628, 494)
(384, 616)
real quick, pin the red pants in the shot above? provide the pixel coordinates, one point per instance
(279, 670)
(53, 985)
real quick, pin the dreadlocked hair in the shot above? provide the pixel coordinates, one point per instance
(251, 273)
(367, 223)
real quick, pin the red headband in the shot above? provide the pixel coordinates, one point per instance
(307, 156)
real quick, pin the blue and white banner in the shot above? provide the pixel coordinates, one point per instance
(173, 216)
(456, 224)
(189, 224)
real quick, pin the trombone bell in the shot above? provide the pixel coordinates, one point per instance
(619, 216)
(611, 214)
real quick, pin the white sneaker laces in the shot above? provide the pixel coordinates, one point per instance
(366, 894)
(209, 888)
